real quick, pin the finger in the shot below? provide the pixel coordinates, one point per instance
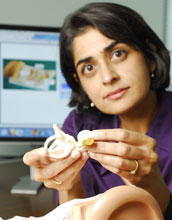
(73, 170)
(56, 167)
(119, 149)
(114, 161)
(66, 177)
(142, 170)
(36, 158)
(122, 135)
(129, 178)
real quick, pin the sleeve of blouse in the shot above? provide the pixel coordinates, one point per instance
(168, 180)
(168, 212)
(72, 124)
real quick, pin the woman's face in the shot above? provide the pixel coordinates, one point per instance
(115, 76)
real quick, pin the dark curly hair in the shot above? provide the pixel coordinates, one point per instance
(119, 23)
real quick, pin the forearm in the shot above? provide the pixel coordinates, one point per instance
(77, 191)
(162, 195)
(157, 187)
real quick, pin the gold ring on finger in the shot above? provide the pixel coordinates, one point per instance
(133, 172)
(56, 182)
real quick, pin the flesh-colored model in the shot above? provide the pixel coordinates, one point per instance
(118, 203)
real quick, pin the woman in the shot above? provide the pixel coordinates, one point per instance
(118, 70)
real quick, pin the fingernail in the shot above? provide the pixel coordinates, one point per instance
(42, 151)
(91, 154)
(75, 154)
(94, 134)
(85, 156)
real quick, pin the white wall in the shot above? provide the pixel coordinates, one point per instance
(168, 37)
(52, 12)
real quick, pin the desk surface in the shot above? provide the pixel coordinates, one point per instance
(22, 205)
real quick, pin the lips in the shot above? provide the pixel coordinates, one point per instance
(116, 94)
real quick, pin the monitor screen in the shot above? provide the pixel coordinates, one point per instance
(33, 91)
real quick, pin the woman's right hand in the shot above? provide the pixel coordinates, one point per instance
(65, 171)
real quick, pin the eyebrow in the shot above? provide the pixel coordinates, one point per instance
(106, 49)
(83, 61)
(109, 47)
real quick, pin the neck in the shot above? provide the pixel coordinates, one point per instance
(137, 119)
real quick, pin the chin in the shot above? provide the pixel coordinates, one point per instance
(115, 109)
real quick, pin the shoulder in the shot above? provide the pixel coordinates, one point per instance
(70, 126)
(161, 128)
(165, 107)
(77, 121)
(165, 97)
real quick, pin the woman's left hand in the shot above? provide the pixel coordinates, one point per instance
(118, 150)
(123, 151)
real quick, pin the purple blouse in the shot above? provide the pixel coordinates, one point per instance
(96, 179)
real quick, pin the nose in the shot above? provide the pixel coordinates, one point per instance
(108, 74)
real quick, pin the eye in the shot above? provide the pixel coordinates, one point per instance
(88, 68)
(118, 55)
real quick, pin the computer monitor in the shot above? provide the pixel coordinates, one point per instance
(33, 91)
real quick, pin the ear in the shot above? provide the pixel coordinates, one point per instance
(124, 202)
(75, 76)
(152, 66)
(152, 62)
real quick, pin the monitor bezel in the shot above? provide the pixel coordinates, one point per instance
(29, 27)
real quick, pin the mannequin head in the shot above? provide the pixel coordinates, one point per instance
(123, 202)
